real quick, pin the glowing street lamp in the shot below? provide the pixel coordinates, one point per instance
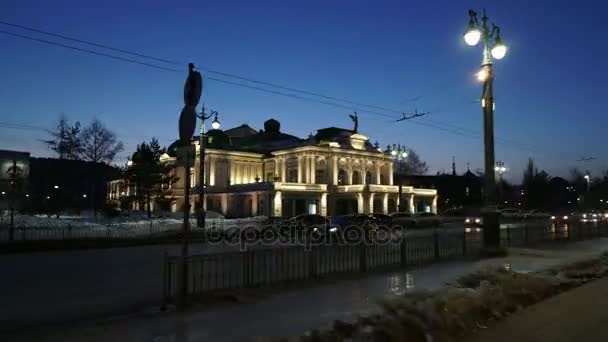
(476, 31)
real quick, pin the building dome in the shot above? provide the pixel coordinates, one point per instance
(272, 126)
(218, 139)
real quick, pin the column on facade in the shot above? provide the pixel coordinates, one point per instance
(434, 205)
(224, 203)
(299, 169)
(385, 203)
(360, 203)
(283, 169)
(323, 204)
(335, 170)
(390, 173)
(370, 203)
(349, 171)
(277, 209)
(377, 164)
(231, 169)
(254, 203)
(313, 169)
(276, 169)
(411, 205)
(211, 168)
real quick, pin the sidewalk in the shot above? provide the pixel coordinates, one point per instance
(576, 315)
(292, 312)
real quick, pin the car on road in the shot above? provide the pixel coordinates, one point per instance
(534, 214)
(364, 221)
(402, 220)
(311, 224)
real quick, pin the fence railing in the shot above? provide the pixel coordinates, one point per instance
(281, 265)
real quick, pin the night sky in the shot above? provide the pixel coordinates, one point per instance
(550, 89)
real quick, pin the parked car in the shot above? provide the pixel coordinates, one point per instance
(365, 221)
(403, 220)
(310, 223)
(510, 213)
(534, 215)
(383, 220)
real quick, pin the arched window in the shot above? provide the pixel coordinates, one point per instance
(356, 178)
(368, 178)
(382, 179)
(342, 177)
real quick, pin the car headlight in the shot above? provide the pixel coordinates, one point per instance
(477, 220)
(553, 217)
(467, 230)
(333, 229)
(584, 215)
(315, 229)
(584, 220)
(468, 220)
(478, 230)
(565, 217)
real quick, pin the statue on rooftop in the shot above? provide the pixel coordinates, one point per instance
(355, 119)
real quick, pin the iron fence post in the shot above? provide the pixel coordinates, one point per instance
(362, 257)
(436, 244)
(403, 250)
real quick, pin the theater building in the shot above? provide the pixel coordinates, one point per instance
(271, 173)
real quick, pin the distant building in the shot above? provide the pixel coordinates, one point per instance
(453, 190)
(271, 173)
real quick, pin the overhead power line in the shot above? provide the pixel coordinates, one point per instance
(401, 116)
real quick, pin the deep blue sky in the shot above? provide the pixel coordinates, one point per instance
(550, 89)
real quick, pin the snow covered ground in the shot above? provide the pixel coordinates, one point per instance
(137, 225)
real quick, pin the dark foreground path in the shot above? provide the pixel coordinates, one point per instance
(577, 315)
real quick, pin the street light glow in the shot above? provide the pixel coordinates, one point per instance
(56, 187)
(482, 75)
(216, 123)
(393, 153)
(472, 36)
(404, 154)
(499, 51)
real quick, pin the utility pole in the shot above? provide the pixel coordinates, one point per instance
(12, 195)
(475, 32)
(202, 212)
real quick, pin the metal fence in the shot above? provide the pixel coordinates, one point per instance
(281, 265)
(260, 267)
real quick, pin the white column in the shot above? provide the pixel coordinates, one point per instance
(390, 173)
(349, 171)
(371, 203)
(360, 204)
(276, 204)
(254, 204)
(299, 169)
(313, 169)
(283, 169)
(224, 204)
(211, 169)
(276, 169)
(377, 172)
(335, 170)
(385, 203)
(231, 168)
(434, 205)
(323, 204)
(411, 204)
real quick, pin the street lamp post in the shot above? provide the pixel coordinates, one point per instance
(475, 32)
(215, 125)
(500, 169)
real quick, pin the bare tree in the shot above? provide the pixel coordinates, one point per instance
(412, 165)
(65, 139)
(99, 144)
